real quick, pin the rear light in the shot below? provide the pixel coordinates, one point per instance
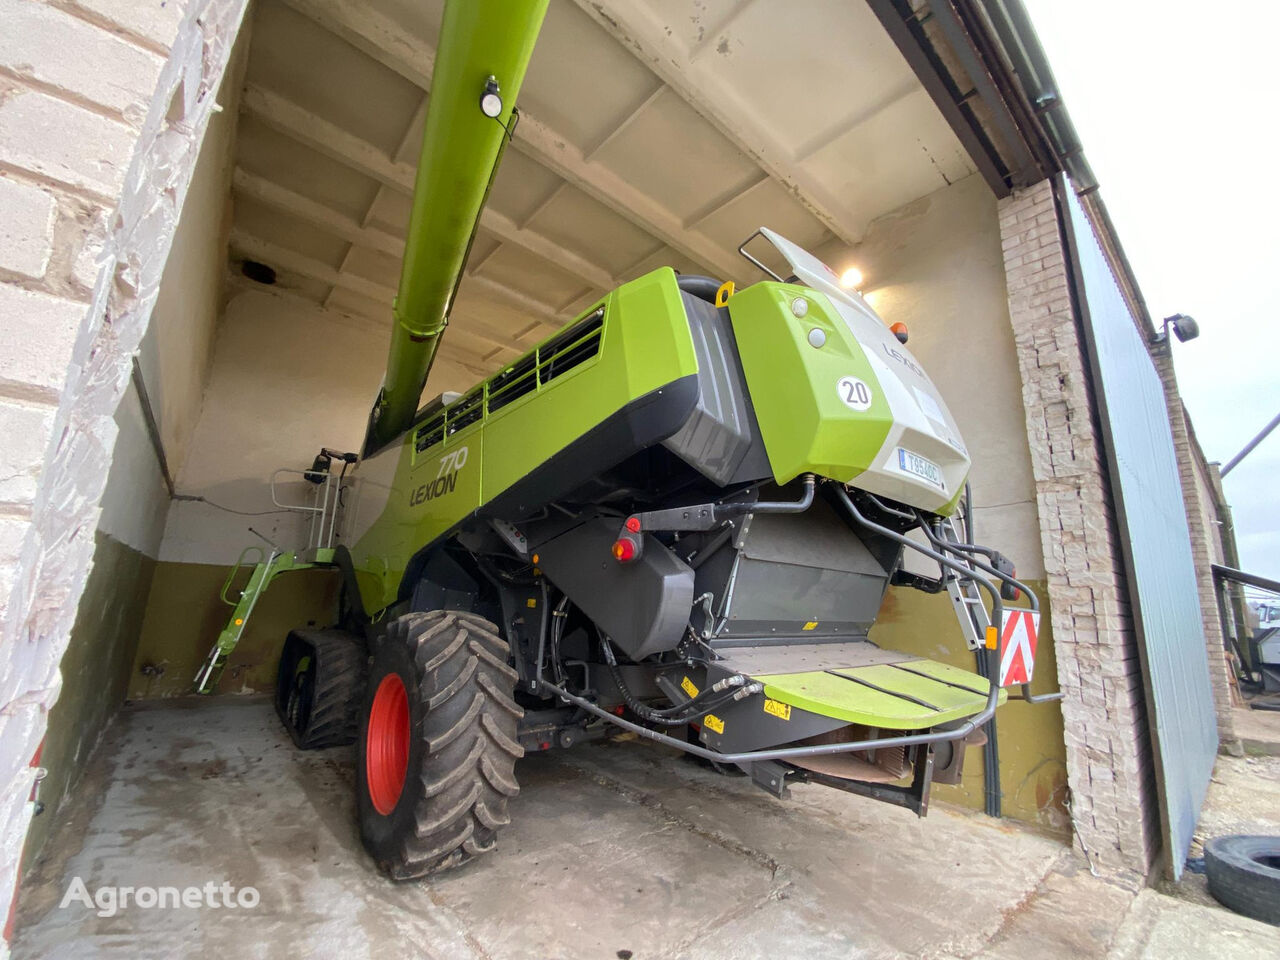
(624, 550)
(633, 524)
(1007, 590)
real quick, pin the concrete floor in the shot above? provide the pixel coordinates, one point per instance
(1258, 730)
(615, 850)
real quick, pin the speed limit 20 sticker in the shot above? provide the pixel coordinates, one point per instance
(854, 393)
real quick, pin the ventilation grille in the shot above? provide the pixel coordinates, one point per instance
(513, 383)
(430, 433)
(562, 353)
(570, 349)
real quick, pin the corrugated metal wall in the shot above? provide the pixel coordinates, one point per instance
(1154, 539)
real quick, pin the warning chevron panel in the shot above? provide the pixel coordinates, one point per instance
(1018, 637)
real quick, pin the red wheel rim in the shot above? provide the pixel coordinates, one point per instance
(387, 744)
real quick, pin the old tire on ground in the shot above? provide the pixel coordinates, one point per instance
(319, 684)
(437, 745)
(1244, 874)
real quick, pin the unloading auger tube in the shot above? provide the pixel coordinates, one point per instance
(480, 65)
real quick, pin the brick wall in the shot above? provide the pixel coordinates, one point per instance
(1104, 715)
(102, 107)
(75, 82)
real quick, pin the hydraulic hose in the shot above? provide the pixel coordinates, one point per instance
(952, 547)
(787, 753)
(634, 705)
(997, 607)
(674, 716)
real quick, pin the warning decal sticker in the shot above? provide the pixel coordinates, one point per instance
(780, 710)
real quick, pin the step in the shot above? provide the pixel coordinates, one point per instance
(858, 682)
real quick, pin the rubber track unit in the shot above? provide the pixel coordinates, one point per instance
(463, 748)
(334, 684)
(1244, 874)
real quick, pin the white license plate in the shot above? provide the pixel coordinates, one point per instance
(917, 465)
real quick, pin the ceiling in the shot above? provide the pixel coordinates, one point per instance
(652, 132)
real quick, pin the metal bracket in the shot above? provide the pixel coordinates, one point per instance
(705, 516)
(915, 797)
(770, 776)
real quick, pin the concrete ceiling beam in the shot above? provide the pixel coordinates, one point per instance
(324, 137)
(282, 258)
(388, 44)
(473, 363)
(344, 228)
(271, 194)
(636, 27)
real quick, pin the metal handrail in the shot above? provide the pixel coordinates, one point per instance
(323, 508)
(786, 753)
(240, 562)
(997, 606)
(742, 249)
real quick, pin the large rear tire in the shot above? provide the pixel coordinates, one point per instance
(319, 684)
(437, 744)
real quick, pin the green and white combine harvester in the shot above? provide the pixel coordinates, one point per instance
(678, 517)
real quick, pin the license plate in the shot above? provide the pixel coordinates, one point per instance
(918, 466)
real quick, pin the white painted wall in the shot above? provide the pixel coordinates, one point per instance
(178, 348)
(287, 379)
(176, 351)
(135, 503)
(936, 265)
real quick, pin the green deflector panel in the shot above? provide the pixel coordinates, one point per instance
(909, 695)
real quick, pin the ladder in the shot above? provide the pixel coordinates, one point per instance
(268, 566)
(971, 611)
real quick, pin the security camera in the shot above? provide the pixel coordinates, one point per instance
(1184, 328)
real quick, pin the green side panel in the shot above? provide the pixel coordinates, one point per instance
(807, 427)
(646, 345)
(835, 696)
(439, 480)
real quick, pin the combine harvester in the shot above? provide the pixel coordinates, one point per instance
(677, 517)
